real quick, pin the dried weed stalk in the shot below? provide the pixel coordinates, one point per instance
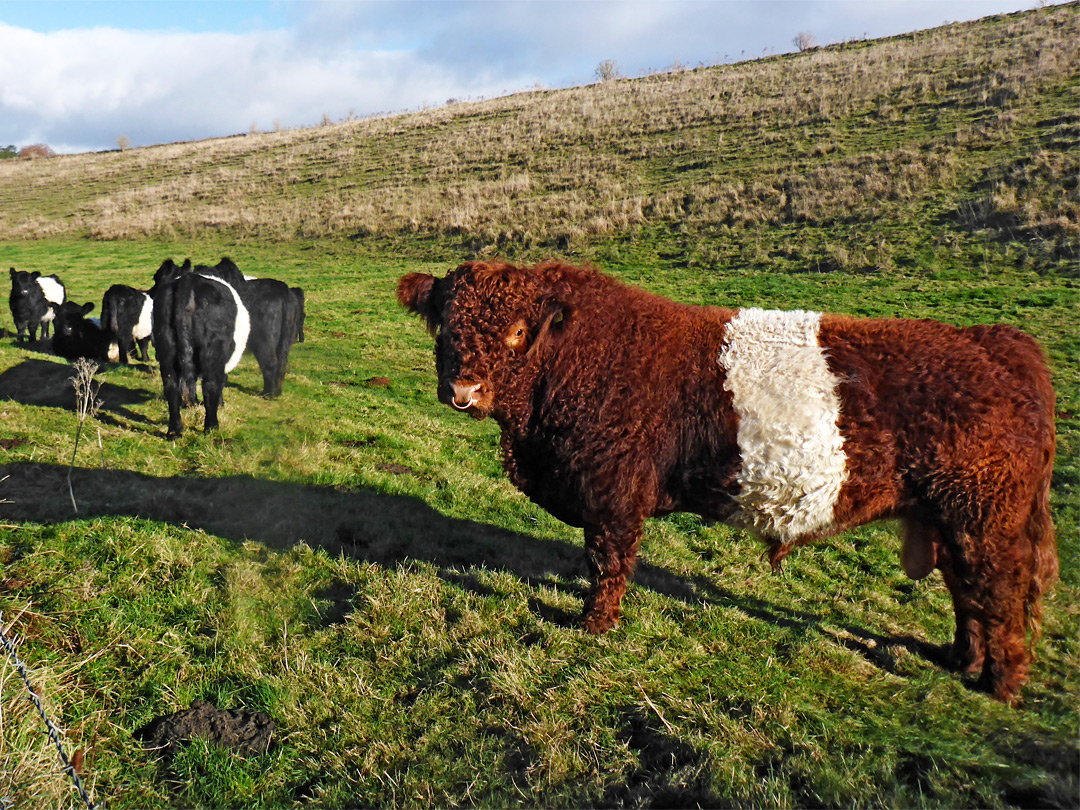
(86, 406)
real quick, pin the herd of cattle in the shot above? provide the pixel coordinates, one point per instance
(201, 320)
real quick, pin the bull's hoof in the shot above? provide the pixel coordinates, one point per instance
(597, 623)
(1005, 688)
(965, 657)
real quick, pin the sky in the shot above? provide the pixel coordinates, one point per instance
(79, 75)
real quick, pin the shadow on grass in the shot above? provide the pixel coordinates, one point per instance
(48, 384)
(386, 529)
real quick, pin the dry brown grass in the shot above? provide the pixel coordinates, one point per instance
(839, 129)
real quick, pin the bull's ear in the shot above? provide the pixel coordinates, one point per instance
(554, 312)
(13, 272)
(417, 293)
(35, 275)
(87, 307)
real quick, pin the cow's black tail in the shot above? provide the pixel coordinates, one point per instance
(110, 316)
(184, 329)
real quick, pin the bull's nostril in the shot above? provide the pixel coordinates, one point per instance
(466, 395)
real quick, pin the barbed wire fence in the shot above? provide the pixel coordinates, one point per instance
(51, 730)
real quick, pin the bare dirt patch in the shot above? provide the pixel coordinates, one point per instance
(246, 733)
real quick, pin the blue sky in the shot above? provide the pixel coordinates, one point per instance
(78, 75)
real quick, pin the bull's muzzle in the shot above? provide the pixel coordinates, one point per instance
(464, 395)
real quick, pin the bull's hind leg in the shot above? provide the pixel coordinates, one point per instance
(989, 578)
(611, 552)
(1002, 587)
(969, 645)
(1008, 660)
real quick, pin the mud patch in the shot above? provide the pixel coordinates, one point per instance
(394, 468)
(245, 733)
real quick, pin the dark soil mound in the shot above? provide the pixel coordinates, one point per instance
(246, 733)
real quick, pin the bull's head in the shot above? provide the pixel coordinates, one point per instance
(489, 321)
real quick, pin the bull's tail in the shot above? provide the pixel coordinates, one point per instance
(184, 327)
(1040, 534)
(1023, 356)
(1040, 523)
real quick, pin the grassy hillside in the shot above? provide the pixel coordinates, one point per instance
(867, 155)
(349, 559)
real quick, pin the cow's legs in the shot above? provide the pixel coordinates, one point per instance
(610, 552)
(171, 386)
(213, 387)
(272, 358)
(143, 343)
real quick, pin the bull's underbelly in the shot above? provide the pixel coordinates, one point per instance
(793, 463)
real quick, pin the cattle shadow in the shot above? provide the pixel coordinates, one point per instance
(48, 384)
(388, 530)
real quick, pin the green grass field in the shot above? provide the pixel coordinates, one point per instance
(350, 560)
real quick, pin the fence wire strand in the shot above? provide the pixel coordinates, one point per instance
(52, 731)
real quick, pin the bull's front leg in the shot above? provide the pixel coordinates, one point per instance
(610, 552)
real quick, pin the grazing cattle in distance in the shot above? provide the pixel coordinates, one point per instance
(77, 336)
(616, 405)
(127, 314)
(32, 295)
(200, 329)
(274, 313)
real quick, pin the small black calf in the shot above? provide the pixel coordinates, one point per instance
(77, 336)
(30, 299)
(127, 315)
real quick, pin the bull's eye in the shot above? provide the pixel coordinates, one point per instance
(517, 337)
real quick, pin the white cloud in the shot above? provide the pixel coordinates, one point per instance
(79, 89)
(90, 86)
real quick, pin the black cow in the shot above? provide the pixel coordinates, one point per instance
(276, 319)
(31, 296)
(127, 315)
(78, 336)
(200, 330)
